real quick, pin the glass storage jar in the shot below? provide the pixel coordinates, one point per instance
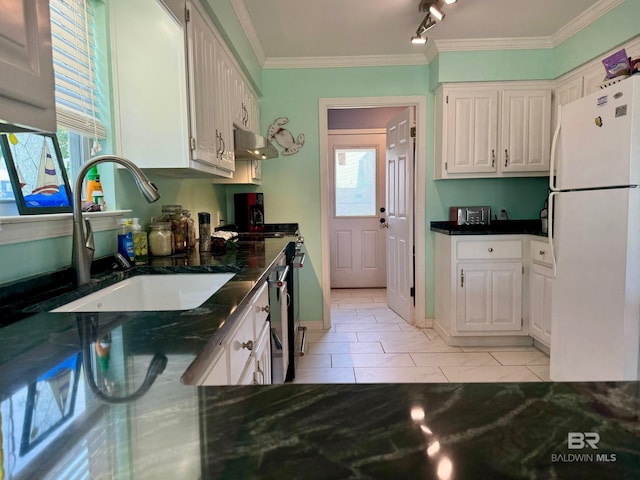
(160, 239)
(182, 226)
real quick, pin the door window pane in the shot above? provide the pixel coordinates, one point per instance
(355, 182)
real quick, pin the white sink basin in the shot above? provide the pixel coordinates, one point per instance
(182, 291)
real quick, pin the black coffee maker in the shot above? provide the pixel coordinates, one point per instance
(249, 209)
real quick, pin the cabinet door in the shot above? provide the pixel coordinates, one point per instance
(223, 91)
(218, 373)
(150, 94)
(250, 105)
(541, 281)
(237, 98)
(26, 69)
(262, 357)
(489, 296)
(471, 130)
(526, 130)
(202, 78)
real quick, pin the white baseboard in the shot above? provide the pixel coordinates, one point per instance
(483, 341)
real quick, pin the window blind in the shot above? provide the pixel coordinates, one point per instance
(74, 67)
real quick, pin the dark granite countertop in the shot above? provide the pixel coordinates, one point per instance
(39, 334)
(53, 426)
(497, 227)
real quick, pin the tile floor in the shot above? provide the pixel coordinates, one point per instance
(369, 343)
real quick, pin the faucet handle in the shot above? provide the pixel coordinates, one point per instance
(89, 244)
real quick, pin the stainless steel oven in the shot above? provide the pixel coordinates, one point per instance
(279, 301)
(297, 334)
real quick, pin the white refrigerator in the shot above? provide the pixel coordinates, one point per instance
(595, 237)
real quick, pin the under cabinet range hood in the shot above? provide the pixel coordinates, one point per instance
(251, 146)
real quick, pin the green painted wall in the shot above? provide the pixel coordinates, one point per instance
(489, 66)
(292, 185)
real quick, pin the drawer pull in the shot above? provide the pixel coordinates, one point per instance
(248, 345)
(490, 249)
(264, 309)
(542, 252)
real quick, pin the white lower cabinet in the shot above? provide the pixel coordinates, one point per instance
(244, 355)
(479, 288)
(489, 297)
(540, 292)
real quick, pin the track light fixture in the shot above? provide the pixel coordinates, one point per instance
(434, 12)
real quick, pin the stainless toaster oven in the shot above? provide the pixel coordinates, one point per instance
(470, 215)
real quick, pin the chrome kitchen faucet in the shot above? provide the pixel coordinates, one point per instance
(83, 245)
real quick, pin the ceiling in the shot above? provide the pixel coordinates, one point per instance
(291, 29)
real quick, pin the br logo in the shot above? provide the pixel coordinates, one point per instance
(579, 440)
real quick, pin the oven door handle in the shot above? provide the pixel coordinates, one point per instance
(299, 263)
(303, 332)
(283, 271)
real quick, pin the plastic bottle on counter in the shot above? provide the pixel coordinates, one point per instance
(125, 239)
(140, 244)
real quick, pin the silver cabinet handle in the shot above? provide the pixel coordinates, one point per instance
(248, 345)
(490, 249)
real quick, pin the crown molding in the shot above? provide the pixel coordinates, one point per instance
(505, 43)
(345, 61)
(583, 20)
(240, 8)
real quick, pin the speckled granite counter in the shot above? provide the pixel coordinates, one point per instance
(497, 227)
(53, 426)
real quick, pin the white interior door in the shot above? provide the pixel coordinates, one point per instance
(357, 194)
(399, 167)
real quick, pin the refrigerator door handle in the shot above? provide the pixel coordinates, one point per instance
(554, 143)
(552, 196)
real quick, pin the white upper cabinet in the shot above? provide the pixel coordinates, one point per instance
(174, 92)
(470, 136)
(492, 130)
(222, 108)
(27, 85)
(526, 130)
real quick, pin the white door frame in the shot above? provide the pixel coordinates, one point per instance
(420, 173)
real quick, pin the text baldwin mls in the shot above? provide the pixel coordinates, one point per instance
(581, 441)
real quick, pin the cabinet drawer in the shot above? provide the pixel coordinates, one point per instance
(540, 252)
(239, 355)
(489, 250)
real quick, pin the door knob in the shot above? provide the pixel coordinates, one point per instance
(383, 223)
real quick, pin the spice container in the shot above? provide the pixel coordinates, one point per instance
(204, 221)
(160, 239)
